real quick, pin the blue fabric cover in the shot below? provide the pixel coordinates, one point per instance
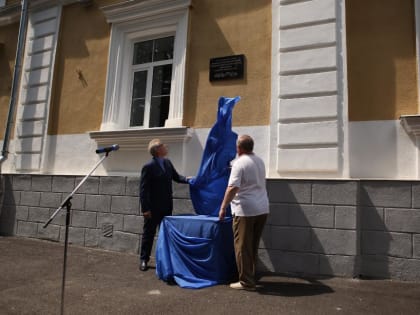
(207, 189)
(195, 250)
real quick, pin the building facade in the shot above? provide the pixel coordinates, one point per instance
(329, 92)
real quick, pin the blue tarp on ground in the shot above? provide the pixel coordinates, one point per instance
(197, 251)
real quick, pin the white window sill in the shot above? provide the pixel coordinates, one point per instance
(138, 139)
(411, 124)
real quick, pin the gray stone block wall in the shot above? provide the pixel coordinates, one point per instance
(357, 228)
(350, 228)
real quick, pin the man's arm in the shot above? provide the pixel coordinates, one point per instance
(230, 193)
(145, 201)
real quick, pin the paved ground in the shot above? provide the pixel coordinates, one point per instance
(102, 282)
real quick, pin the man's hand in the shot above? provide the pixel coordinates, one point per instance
(222, 213)
(147, 214)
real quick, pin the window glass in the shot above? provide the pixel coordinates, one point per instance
(143, 52)
(162, 80)
(139, 98)
(163, 48)
(159, 111)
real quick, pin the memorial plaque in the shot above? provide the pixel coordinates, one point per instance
(227, 68)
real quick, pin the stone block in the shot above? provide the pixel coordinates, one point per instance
(336, 265)
(416, 245)
(92, 237)
(292, 263)
(290, 238)
(404, 269)
(100, 203)
(28, 229)
(345, 217)
(373, 266)
(83, 219)
(63, 184)
(76, 235)
(22, 213)
(8, 220)
(388, 194)
(120, 241)
(112, 185)
(133, 186)
(22, 182)
(37, 214)
(183, 206)
(77, 201)
(181, 191)
(50, 199)
(125, 205)
(279, 214)
(90, 186)
(110, 218)
(372, 218)
(29, 198)
(60, 217)
(385, 243)
(312, 215)
(11, 197)
(133, 224)
(266, 241)
(288, 191)
(51, 232)
(335, 192)
(334, 242)
(403, 220)
(415, 193)
(41, 183)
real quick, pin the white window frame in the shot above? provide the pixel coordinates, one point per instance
(133, 22)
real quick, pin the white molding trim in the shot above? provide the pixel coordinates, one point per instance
(411, 124)
(132, 21)
(135, 139)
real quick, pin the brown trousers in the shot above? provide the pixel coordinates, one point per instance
(247, 232)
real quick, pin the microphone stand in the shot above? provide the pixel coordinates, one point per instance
(66, 203)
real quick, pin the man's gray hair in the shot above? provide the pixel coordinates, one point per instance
(154, 145)
(246, 143)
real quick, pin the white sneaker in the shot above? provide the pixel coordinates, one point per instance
(240, 286)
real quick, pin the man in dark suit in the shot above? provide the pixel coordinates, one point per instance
(156, 195)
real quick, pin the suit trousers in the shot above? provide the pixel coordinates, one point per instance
(149, 231)
(247, 232)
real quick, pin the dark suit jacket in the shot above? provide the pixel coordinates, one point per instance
(156, 187)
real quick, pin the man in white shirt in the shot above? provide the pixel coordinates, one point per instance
(247, 196)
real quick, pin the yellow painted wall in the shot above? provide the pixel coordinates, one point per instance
(8, 44)
(80, 71)
(221, 28)
(382, 69)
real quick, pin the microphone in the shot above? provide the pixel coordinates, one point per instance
(113, 147)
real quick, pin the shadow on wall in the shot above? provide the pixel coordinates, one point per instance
(6, 74)
(7, 207)
(290, 243)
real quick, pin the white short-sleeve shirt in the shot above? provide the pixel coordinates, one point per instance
(248, 174)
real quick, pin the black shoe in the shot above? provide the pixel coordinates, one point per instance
(143, 265)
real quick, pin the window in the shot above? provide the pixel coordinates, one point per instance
(145, 82)
(151, 87)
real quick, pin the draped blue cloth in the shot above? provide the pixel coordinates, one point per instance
(207, 189)
(197, 251)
